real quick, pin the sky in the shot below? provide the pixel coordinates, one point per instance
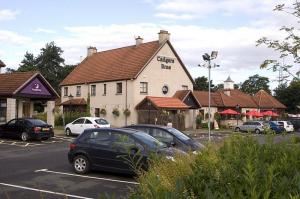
(230, 27)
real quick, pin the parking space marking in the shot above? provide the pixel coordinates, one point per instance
(44, 191)
(90, 177)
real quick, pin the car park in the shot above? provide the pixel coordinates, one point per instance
(26, 129)
(79, 125)
(111, 149)
(251, 126)
(169, 136)
(287, 125)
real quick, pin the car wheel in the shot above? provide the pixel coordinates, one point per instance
(257, 131)
(68, 132)
(237, 129)
(81, 164)
(24, 136)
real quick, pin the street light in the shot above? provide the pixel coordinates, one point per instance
(207, 58)
(237, 107)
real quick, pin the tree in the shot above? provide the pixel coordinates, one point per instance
(289, 95)
(28, 63)
(221, 87)
(50, 63)
(255, 83)
(202, 84)
(288, 47)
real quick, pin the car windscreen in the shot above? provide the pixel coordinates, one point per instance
(37, 122)
(289, 123)
(178, 134)
(150, 141)
(101, 121)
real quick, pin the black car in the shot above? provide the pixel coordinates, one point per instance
(26, 129)
(111, 149)
(170, 136)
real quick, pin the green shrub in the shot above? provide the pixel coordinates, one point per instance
(41, 116)
(240, 168)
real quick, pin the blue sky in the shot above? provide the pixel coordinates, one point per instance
(196, 27)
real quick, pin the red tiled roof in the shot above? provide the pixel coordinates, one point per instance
(220, 99)
(181, 94)
(10, 82)
(167, 102)
(265, 100)
(116, 64)
(1, 64)
(76, 101)
(237, 97)
(202, 97)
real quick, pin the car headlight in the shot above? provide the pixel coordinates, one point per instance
(170, 158)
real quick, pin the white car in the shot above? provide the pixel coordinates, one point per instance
(287, 125)
(79, 125)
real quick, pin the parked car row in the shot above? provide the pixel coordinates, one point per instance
(261, 126)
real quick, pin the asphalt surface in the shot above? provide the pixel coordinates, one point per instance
(41, 170)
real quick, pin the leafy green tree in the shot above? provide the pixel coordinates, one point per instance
(289, 46)
(255, 83)
(289, 95)
(50, 63)
(28, 63)
(202, 84)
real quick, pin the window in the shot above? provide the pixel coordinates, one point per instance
(104, 89)
(101, 121)
(122, 143)
(144, 87)
(93, 90)
(185, 87)
(97, 112)
(119, 88)
(66, 91)
(162, 135)
(101, 138)
(79, 121)
(2, 111)
(88, 122)
(78, 91)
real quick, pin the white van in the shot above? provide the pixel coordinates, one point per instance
(287, 125)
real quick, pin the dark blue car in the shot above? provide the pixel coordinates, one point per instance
(275, 127)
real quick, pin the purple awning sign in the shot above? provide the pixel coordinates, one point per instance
(36, 87)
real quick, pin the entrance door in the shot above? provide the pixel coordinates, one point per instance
(26, 109)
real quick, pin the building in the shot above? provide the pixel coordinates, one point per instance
(230, 98)
(136, 79)
(20, 91)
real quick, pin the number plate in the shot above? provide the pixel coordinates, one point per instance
(45, 129)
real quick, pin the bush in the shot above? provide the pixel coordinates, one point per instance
(199, 119)
(41, 116)
(240, 168)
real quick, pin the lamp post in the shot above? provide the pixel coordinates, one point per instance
(207, 58)
(237, 107)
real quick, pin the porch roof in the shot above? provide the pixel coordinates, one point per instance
(170, 103)
(76, 101)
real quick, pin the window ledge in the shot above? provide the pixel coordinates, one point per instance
(144, 93)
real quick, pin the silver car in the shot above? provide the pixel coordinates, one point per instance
(251, 126)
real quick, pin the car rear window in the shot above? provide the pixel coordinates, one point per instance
(150, 141)
(37, 122)
(101, 121)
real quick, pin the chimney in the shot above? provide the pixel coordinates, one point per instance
(163, 36)
(91, 50)
(138, 41)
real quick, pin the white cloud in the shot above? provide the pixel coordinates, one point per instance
(10, 37)
(45, 30)
(175, 16)
(204, 8)
(7, 14)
